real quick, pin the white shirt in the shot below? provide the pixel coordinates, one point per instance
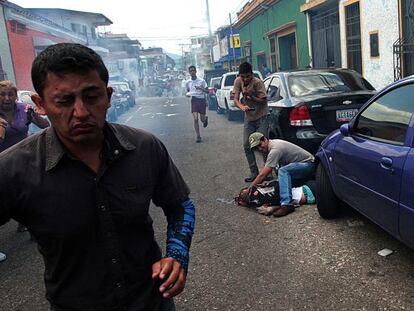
(191, 87)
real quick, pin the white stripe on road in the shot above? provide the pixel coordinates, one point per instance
(133, 115)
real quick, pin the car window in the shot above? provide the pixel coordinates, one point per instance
(275, 89)
(326, 82)
(388, 117)
(214, 81)
(230, 80)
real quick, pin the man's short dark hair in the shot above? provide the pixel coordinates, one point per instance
(63, 58)
(191, 67)
(245, 68)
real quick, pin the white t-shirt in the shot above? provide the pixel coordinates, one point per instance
(191, 87)
(297, 194)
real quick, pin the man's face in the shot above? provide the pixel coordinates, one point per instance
(246, 77)
(193, 72)
(8, 98)
(76, 105)
(263, 146)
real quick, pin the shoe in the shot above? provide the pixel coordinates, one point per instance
(250, 178)
(205, 123)
(2, 257)
(198, 140)
(266, 210)
(284, 210)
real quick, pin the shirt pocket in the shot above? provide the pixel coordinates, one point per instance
(133, 204)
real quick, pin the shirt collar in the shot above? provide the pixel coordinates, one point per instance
(55, 150)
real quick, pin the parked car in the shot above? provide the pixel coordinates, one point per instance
(225, 94)
(124, 89)
(25, 97)
(307, 105)
(112, 113)
(369, 163)
(120, 100)
(211, 96)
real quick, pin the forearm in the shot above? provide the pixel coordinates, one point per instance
(262, 175)
(179, 233)
(238, 103)
(40, 121)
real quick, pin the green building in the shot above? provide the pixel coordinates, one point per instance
(274, 32)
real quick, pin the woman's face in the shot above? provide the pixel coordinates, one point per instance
(7, 98)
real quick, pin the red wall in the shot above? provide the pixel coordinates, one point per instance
(23, 54)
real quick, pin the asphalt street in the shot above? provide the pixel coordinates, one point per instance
(241, 260)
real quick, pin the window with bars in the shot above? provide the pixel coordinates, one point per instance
(273, 55)
(353, 37)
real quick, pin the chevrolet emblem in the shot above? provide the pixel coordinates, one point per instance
(347, 102)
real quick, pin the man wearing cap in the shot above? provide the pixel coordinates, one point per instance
(291, 162)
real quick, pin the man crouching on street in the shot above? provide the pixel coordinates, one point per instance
(291, 161)
(83, 188)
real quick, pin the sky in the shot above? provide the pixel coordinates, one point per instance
(162, 23)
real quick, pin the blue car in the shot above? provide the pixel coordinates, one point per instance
(369, 163)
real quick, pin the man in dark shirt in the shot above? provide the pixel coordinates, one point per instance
(83, 188)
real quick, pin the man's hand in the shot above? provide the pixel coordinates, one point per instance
(3, 122)
(170, 271)
(244, 108)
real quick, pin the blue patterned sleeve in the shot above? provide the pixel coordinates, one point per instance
(180, 232)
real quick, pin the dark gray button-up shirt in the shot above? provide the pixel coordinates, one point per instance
(93, 230)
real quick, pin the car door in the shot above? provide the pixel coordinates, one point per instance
(219, 93)
(369, 162)
(406, 219)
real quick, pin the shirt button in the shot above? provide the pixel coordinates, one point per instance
(103, 208)
(116, 152)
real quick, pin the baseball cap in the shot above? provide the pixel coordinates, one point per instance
(254, 139)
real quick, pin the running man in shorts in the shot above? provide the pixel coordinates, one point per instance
(196, 87)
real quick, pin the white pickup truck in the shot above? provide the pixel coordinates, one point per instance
(225, 94)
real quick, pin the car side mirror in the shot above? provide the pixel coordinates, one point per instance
(345, 129)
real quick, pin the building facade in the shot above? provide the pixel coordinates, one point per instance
(27, 35)
(274, 32)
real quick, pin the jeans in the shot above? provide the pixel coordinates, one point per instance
(292, 171)
(260, 125)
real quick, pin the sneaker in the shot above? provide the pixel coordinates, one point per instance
(284, 210)
(2, 257)
(198, 140)
(205, 123)
(250, 178)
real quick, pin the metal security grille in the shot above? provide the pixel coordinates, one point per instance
(326, 45)
(403, 48)
(353, 37)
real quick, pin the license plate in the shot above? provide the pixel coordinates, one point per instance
(345, 115)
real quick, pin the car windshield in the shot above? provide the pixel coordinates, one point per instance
(122, 87)
(214, 81)
(230, 80)
(328, 82)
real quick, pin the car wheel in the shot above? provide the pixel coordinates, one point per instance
(231, 115)
(220, 110)
(326, 199)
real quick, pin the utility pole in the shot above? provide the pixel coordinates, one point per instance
(232, 43)
(210, 43)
